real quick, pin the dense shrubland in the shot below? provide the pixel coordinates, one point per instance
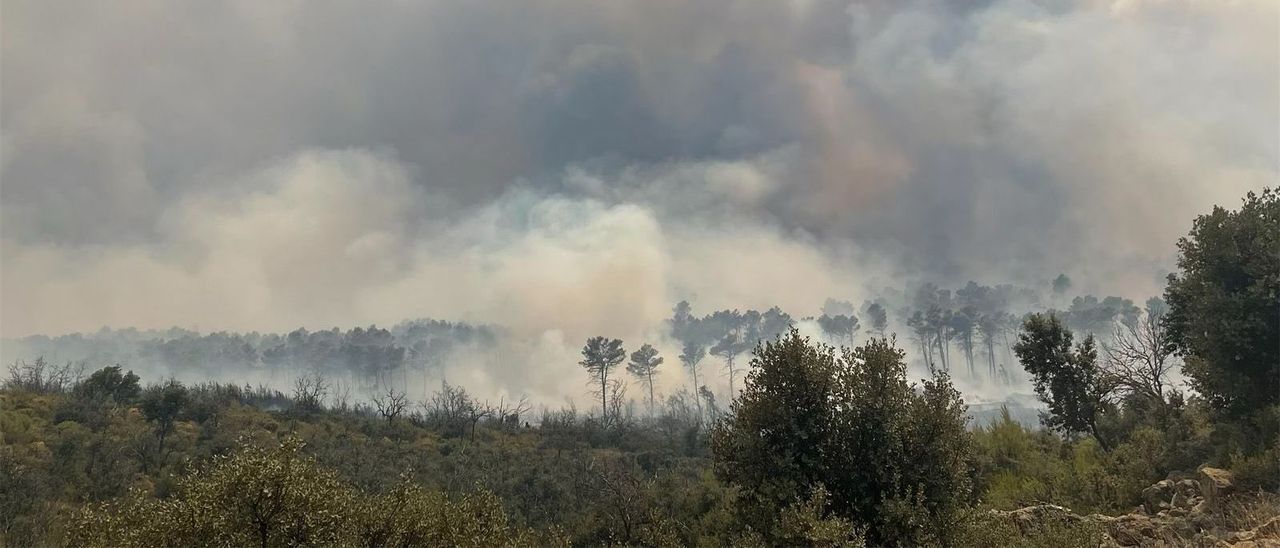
(822, 445)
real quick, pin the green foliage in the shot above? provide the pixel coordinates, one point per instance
(280, 497)
(990, 530)
(259, 497)
(22, 518)
(162, 403)
(1067, 380)
(109, 384)
(808, 523)
(1021, 467)
(408, 515)
(1259, 470)
(893, 457)
(1224, 305)
(93, 397)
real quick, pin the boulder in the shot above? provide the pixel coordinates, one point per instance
(1188, 487)
(1158, 496)
(1215, 483)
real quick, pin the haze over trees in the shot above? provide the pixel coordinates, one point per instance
(821, 445)
(705, 273)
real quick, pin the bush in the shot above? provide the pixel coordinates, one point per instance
(993, 530)
(280, 497)
(896, 458)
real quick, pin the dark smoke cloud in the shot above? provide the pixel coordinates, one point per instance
(566, 167)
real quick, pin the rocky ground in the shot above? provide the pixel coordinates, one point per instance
(1200, 509)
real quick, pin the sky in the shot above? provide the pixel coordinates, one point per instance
(568, 168)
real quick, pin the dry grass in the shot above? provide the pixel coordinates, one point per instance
(1249, 510)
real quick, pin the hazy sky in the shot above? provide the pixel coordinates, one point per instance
(572, 167)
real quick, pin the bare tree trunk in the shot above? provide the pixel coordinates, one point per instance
(604, 395)
(968, 354)
(942, 352)
(697, 397)
(729, 360)
(1007, 350)
(650, 375)
(926, 351)
(991, 357)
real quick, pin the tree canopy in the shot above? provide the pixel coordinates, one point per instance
(890, 454)
(1224, 304)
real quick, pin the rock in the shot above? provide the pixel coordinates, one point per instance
(1189, 487)
(1215, 483)
(1026, 518)
(1157, 497)
(1180, 501)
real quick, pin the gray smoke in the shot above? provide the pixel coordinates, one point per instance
(568, 168)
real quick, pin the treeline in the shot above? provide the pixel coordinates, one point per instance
(966, 331)
(369, 356)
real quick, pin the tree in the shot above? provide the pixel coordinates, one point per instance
(877, 318)
(41, 376)
(923, 334)
(962, 324)
(1089, 315)
(691, 356)
(833, 307)
(1224, 305)
(1061, 284)
(451, 410)
(839, 328)
(892, 456)
(309, 392)
(390, 403)
(599, 357)
(161, 404)
(1139, 356)
(728, 349)
(1066, 379)
(773, 323)
(682, 322)
(93, 398)
(109, 384)
(644, 363)
(988, 329)
(939, 320)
